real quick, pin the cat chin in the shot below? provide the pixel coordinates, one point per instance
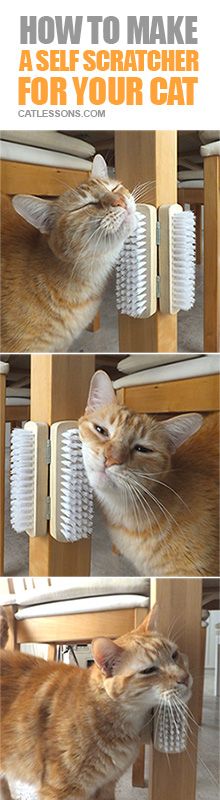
(98, 478)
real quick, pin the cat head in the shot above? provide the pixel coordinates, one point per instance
(144, 665)
(96, 216)
(125, 451)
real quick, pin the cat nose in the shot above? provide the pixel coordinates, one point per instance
(184, 679)
(110, 461)
(119, 200)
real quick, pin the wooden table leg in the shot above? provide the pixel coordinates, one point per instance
(211, 253)
(12, 638)
(180, 602)
(138, 769)
(148, 156)
(95, 324)
(59, 389)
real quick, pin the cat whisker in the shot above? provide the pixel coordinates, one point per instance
(160, 505)
(171, 628)
(142, 186)
(193, 744)
(143, 501)
(166, 485)
(134, 502)
(135, 499)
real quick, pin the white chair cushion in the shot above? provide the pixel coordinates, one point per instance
(209, 136)
(18, 392)
(51, 140)
(10, 151)
(17, 401)
(134, 363)
(85, 605)
(204, 365)
(212, 149)
(191, 184)
(72, 588)
(4, 368)
(190, 175)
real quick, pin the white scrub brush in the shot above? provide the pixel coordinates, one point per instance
(49, 482)
(136, 268)
(29, 478)
(71, 494)
(173, 237)
(170, 729)
(177, 259)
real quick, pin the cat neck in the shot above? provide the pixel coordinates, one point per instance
(76, 273)
(125, 714)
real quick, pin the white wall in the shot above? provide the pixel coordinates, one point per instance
(210, 639)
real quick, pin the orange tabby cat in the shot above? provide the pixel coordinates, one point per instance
(71, 732)
(157, 483)
(57, 260)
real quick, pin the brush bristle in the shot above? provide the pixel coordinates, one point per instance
(133, 272)
(22, 479)
(183, 242)
(76, 503)
(170, 729)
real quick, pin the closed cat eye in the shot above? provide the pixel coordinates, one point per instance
(90, 203)
(175, 655)
(102, 431)
(141, 449)
(148, 670)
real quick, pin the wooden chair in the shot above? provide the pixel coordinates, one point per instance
(183, 595)
(176, 396)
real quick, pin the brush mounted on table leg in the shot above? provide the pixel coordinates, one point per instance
(177, 259)
(136, 268)
(169, 729)
(171, 242)
(29, 479)
(49, 482)
(71, 495)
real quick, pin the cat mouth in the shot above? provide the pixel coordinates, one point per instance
(124, 222)
(101, 477)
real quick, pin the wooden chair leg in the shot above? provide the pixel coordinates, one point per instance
(95, 324)
(211, 253)
(51, 655)
(12, 638)
(59, 390)
(138, 769)
(179, 600)
(149, 156)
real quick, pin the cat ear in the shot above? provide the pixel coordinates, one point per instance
(180, 428)
(107, 655)
(150, 622)
(152, 618)
(99, 168)
(101, 392)
(37, 212)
